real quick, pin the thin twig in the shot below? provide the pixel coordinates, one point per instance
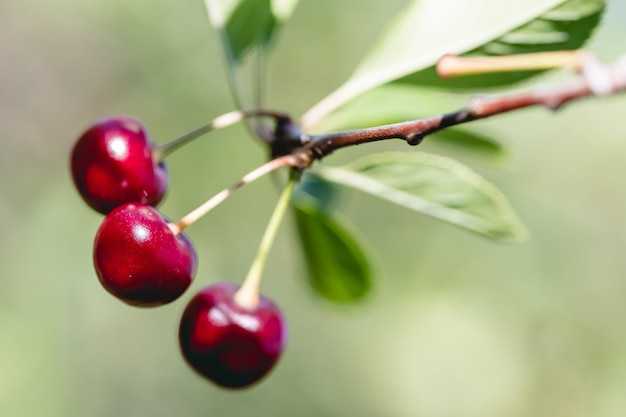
(296, 161)
(453, 65)
(225, 120)
(595, 79)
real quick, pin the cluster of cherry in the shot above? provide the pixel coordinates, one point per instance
(227, 334)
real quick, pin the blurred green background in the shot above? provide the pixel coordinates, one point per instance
(457, 326)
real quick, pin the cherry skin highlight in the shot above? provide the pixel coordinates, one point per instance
(113, 163)
(231, 345)
(139, 259)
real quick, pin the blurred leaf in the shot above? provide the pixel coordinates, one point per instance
(565, 27)
(427, 29)
(390, 103)
(338, 267)
(478, 143)
(313, 186)
(245, 24)
(434, 185)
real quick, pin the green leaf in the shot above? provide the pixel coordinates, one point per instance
(565, 27)
(245, 24)
(390, 103)
(245, 27)
(313, 186)
(434, 185)
(470, 141)
(338, 266)
(427, 29)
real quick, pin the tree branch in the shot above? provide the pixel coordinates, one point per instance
(595, 79)
(291, 147)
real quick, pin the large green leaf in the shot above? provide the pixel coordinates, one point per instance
(245, 24)
(565, 27)
(338, 266)
(434, 185)
(390, 103)
(427, 29)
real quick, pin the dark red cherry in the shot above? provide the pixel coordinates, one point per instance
(139, 259)
(231, 345)
(113, 163)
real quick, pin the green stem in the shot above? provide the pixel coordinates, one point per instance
(248, 294)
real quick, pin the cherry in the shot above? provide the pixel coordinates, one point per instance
(140, 259)
(232, 345)
(113, 162)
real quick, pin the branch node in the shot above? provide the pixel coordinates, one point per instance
(477, 105)
(288, 136)
(553, 104)
(414, 139)
(597, 75)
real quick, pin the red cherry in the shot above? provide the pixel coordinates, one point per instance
(231, 345)
(113, 163)
(139, 259)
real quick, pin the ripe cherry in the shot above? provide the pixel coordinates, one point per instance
(113, 162)
(230, 344)
(140, 259)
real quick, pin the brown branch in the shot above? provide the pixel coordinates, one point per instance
(295, 149)
(595, 79)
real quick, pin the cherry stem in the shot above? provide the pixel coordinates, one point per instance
(452, 65)
(248, 295)
(220, 122)
(210, 204)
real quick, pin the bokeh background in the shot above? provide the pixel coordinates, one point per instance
(458, 326)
